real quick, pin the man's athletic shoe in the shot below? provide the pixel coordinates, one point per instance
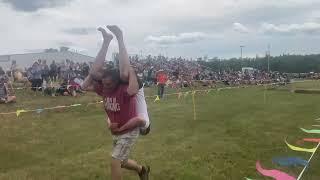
(144, 174)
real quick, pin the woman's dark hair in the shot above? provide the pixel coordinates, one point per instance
(113, 73)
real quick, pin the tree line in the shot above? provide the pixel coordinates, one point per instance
(282, 63)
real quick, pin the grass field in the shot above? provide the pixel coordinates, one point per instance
(234, 128)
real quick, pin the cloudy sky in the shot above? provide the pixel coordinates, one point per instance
(187, 28)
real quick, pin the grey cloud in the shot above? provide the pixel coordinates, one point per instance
(65, 43)
(34, 5)
(177, 39)
(251, 17)
(240, 28)
(34, 50)
(291, 29)
(274, 14)
(79, 31)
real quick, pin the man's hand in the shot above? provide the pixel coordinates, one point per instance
(113, 127)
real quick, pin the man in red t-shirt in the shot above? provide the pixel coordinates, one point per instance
(161, 81)
(119, 102)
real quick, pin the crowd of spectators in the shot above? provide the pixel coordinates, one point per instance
(65, 78)
(182, 72)
(54, 79)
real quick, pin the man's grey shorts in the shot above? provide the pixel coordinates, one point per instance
(122, 144)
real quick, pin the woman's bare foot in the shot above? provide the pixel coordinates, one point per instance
(106, 36)
(116, 31)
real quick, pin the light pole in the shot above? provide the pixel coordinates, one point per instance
(268, 58)
(241, 50)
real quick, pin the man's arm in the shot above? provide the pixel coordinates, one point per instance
(100, 58)
(124, 62)
(87, 84)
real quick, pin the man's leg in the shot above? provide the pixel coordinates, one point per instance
(159, 90)
(132, 165)
(142, 171)
(162, 90)
(39, 84)
(33, 85)
(115, 169)
(121, 151)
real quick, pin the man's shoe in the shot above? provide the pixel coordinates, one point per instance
(144, 174)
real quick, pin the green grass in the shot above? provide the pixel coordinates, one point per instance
(305, 85)
(234, 129)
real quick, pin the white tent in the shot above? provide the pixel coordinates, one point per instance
(26, 60)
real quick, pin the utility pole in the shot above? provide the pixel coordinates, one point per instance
(268, 54)
(241, 50)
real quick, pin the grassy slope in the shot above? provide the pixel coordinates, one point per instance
(234, 128)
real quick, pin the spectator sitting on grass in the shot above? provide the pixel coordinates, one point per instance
(76, 84)
(5, 95)
(66, 89)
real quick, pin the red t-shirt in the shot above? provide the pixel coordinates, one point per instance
(162, 78)
(119, 105)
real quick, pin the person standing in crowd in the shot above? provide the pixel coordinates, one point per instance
(36, 79)
(162, 79)
(120, 103)
(70, 71)
(85, 69)
(44, 71)
(63, 71)
(77, 68)
(53, 71)
(13, 69)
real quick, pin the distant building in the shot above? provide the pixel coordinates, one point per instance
(249, 70)
(26, 60)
